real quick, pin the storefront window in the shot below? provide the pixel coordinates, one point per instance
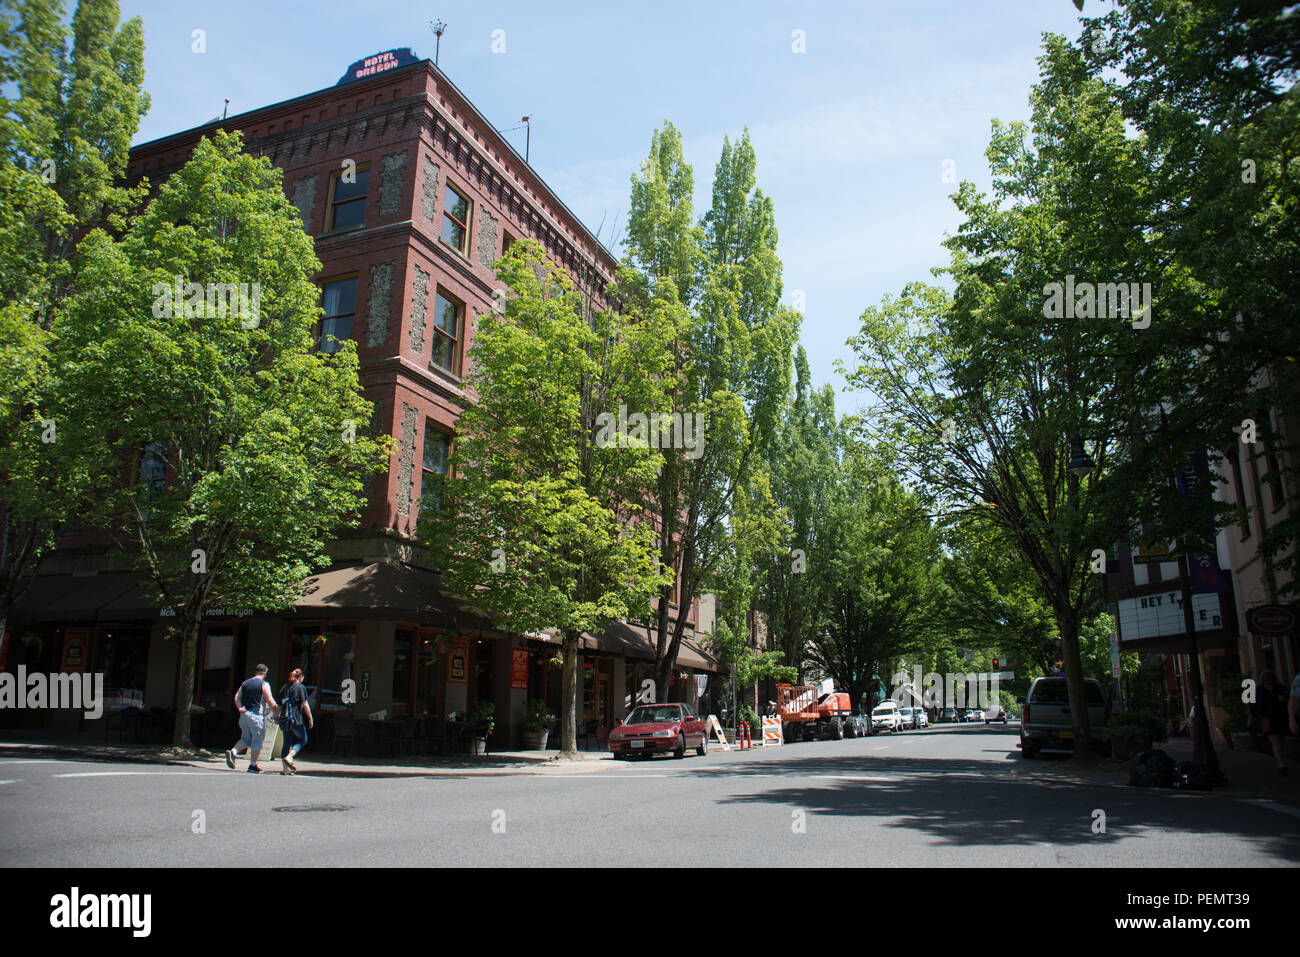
(483, 672)
(403, 669)
(124, 660)
(325, 653)
(426, 676)
(217, 657)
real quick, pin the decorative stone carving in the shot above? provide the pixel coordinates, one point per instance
(381, 288)
(429, 189)
(406, 460)
(419, 296)
(304, 198)
(390, 184)
(487, 238)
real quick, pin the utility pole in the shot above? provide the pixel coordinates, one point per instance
(528, 137)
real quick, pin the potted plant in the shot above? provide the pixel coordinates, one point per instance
(536, 725)
(484, 714)
(1133, 731)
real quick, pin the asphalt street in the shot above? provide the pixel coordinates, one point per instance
(946, 796)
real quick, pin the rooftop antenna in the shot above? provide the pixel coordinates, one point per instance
(528, 137)
(438, 28)
(227, 109)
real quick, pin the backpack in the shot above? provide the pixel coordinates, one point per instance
(290, 713)
(1151, 769)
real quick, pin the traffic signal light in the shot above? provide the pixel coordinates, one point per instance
(995, 664)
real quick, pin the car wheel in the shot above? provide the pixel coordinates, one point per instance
(1027, 750)
(681, 746)
(703, 749)
(837, 729)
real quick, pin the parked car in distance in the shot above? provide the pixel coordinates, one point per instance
(948, 715)
(885, 717)
(651, 729)
(995, 713)
(914, 718)
(975, 714)
(1046, 721)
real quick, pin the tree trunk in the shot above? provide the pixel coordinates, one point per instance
(189, 652)
(569, 695)
(1068, 624)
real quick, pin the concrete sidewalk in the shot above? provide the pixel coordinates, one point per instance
(1250, 774)
(450, 765)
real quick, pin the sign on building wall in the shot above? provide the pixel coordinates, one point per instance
(378, 63)
(1161, 615)
(459, 664)
(1270, 620)
(519, 668)
(75, 642)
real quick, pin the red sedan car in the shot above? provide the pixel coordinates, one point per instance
(657, 729)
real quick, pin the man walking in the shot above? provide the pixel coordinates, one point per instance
(296, 711)
(250, 699)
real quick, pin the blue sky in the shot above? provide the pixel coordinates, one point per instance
(851, 135)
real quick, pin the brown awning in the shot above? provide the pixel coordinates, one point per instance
(634, 641)
(74, 597)
(378, 590)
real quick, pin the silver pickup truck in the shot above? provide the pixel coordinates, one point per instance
(1046, 722)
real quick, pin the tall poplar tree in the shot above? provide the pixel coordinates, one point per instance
(730, 346)
(67, 116)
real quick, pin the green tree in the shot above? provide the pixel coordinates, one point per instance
(238, 448)
(1209, 85)
(540, 524)
(994, 600)
(987, 394)
(805, 466)
(729, 343)
(67, 116)
(878, 555)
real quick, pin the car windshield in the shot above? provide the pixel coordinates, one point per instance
(648, 714)
(883, 709)
(907, 711)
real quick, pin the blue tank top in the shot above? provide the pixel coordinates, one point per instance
(250, 695)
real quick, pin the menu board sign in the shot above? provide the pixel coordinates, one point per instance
(458, 666)
(519, 668)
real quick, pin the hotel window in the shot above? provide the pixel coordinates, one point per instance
(437, 447)
(447, 315)
(455, 217)
(348, 199)
(339, 299)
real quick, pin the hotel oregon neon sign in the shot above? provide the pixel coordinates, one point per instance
(379, 63)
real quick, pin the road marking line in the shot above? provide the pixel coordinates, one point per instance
(11, 781)
(1271, 805)
(598, 774)
(883, 747)
(113, 774)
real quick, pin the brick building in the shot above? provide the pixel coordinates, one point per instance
(411, 195)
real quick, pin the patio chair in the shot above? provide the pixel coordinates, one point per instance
(344, 733)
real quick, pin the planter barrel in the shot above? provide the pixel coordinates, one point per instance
(535, 740)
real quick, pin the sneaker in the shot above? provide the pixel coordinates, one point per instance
(254, 769)
(289, 761)
(288, 766)
(230, 760)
